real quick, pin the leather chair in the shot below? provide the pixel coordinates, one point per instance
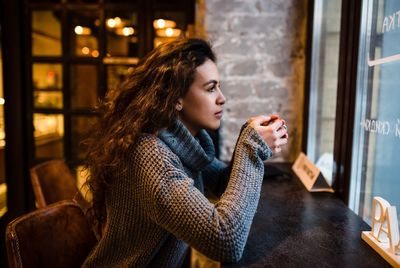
(52, 181)
(55, 236)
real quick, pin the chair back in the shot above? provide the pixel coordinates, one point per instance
(52, 181)
(55, 236)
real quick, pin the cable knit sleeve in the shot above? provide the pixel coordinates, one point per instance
(218, 230)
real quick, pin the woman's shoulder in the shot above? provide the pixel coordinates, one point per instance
(150, 152)
(151, 147)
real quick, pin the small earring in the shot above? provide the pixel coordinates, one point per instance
(179, 107)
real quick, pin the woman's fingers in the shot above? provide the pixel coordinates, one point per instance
(277, 149)
(272, 130)
(272, 118)
(281, 141)
(281, 133)
(276, 124)
(277, 142)
(258, 120)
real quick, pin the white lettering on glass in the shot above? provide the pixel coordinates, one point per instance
(376, 126)
(398, 18)
(397, 134)
(389, 22)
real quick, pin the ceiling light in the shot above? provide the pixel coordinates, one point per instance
(169, 32)
(79, 30)
(161, 24)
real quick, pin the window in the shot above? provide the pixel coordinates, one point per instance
(376, 144)
(323, 88)
(79, 50)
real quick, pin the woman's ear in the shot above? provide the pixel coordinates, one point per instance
(179, 105)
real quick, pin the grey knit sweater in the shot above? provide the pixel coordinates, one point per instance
(156, 207)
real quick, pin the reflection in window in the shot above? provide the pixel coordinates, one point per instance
(47, 85)
(323, 89)
(84, 86)
(46, 33)
(48, 135)
(376, 144)
(122, 34)
(84, 33)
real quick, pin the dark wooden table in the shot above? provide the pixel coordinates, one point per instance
(296, 228)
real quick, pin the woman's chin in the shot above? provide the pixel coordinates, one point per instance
(213, 126)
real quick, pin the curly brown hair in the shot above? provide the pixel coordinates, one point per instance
(144, 103)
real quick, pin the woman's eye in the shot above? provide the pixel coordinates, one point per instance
(211, 89)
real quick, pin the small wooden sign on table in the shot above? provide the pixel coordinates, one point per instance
(310, 175)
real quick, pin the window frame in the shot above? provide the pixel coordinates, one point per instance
(346, 93)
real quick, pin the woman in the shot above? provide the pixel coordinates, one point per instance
(151, 158)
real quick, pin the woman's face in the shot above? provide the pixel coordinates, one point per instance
(201, 107)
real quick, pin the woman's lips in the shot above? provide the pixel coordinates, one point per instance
(218, 115)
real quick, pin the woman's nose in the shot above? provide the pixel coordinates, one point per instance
(221, 99)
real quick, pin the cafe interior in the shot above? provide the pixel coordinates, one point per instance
(328, 67)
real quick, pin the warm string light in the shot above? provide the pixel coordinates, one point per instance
(114, 22)
(95, 53)
(168, 32)
(126, 31)
(80, 30)
(166, 28)
(119, 27)
(161, 24)
(85, 50)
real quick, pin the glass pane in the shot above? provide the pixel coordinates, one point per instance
(84, 33)
(84, 86)
(324, 79)
(168, 25)
(376, 144)
(3, 185)
(116, 74)
(48, 134)
(47, 85)
(46, 33)
(79, 130)
(122, 34)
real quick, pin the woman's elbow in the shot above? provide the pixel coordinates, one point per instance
(230, 252)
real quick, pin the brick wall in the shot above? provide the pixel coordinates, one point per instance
(260, 45)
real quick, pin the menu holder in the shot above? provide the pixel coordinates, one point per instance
(384, 235)
(310, 175)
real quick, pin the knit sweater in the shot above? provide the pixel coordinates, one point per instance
(156, 207)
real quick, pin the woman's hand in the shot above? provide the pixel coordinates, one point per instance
(272, 130)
